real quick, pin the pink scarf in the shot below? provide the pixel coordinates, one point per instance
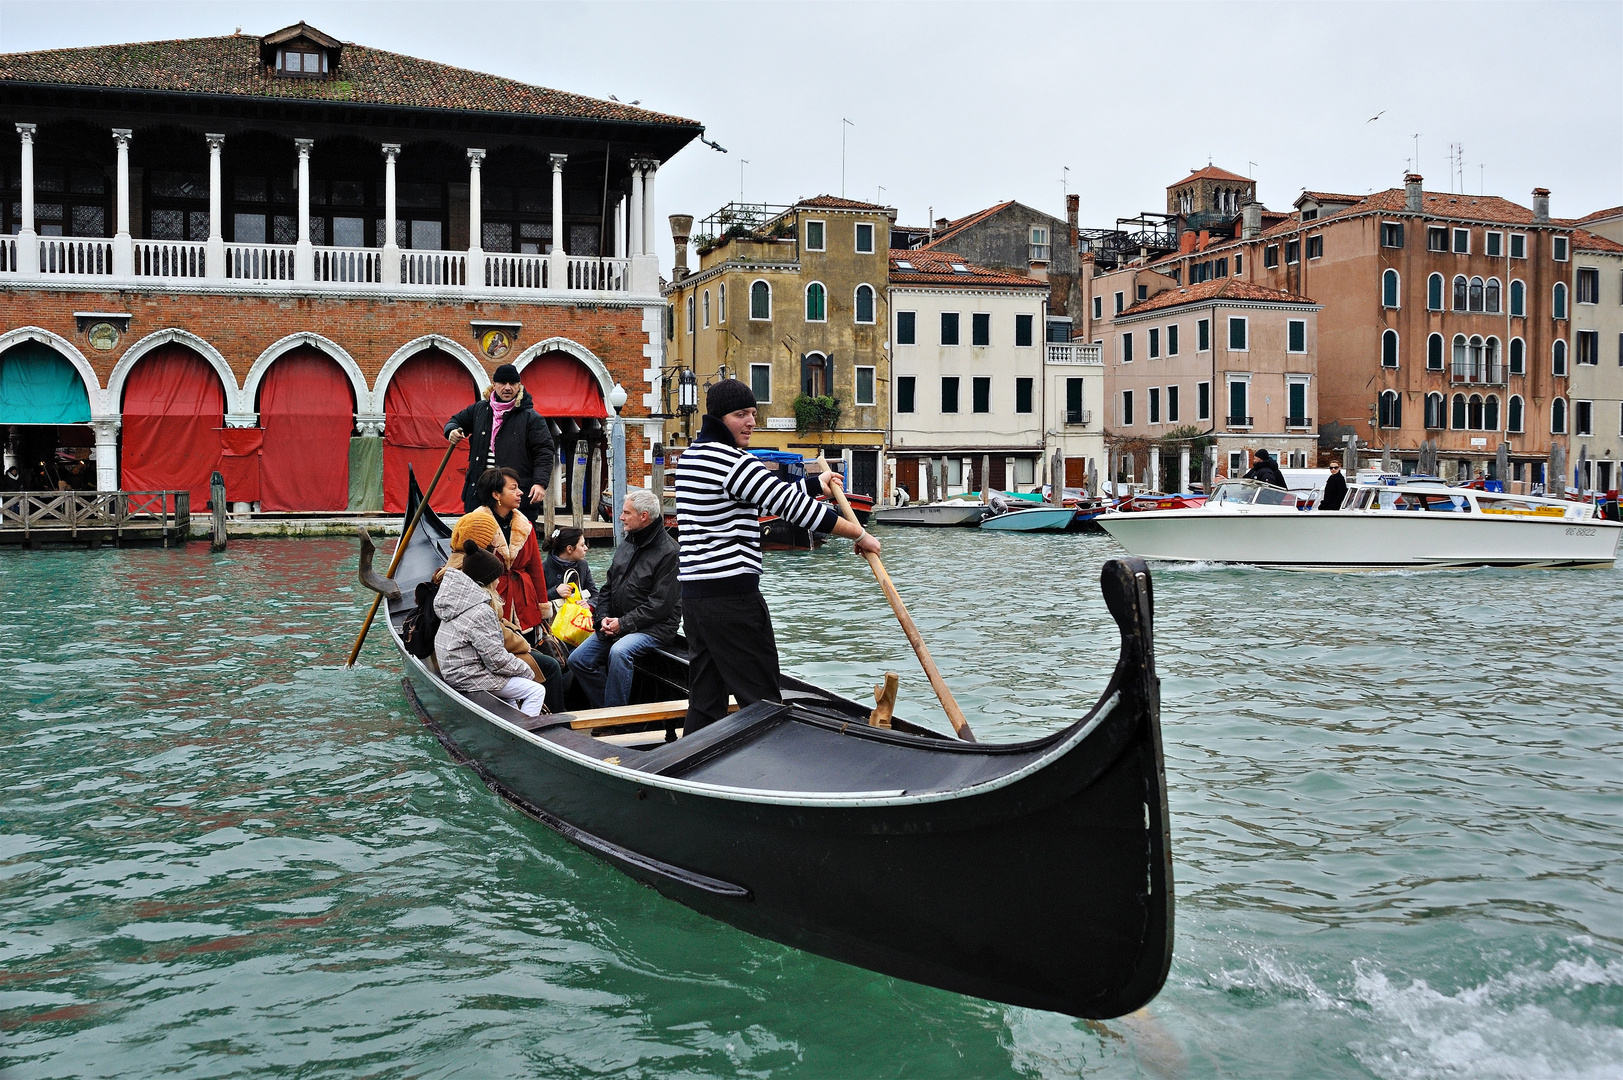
(499, 409)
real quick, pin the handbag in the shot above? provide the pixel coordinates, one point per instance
(573, 623)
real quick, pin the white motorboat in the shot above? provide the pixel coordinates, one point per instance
(953, 513)
(1382, 527)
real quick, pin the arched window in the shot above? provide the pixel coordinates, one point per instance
(1474, 360)
(1558, 357)
(760, 300)
(1491, 297)
(1435, 411)
(1434, 293)
(1514, 421)
(815, 376)
(1457, 421)
(1476, 294)
(1389, 288)
(1558, 416)
(816, 302)
(1390, 410)
(1491, 370)
(1434, 352)
(1558, 301)
(1518, 299)
(1490, 413)
(1460, 289)
(1518, 357)
(865, 304)
(1459, 356)
(1389, 349)
(1473, 412)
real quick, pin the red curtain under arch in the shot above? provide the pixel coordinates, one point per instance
(307, 411)
(424, 393)
(562, 386)
(174, 408)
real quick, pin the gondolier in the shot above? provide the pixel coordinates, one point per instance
(721, 493)
(505, 432)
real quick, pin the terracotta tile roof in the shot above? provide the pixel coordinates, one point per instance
(1211, 172)
(1206, 291)
(1599, 215)
(1328, 196)
(232, 66)
(931, 267)
(834, 202)
(1584, 240)
(953, 228)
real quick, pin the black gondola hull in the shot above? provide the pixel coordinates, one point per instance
(1042, 879)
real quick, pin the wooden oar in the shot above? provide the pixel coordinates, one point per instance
(400, 549)
(948, 702)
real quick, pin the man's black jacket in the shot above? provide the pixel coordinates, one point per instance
(524, 445)
(641, 589)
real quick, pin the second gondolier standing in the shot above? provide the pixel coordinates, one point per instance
(721, 492)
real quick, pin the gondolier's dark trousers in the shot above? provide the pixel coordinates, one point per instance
(731, 650)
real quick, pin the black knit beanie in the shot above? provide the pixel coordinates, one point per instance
(481, 565)
(728, 396)
(507, 373)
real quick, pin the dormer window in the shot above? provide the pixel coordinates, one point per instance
(301, 60)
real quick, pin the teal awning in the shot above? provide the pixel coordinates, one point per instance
(38, 386)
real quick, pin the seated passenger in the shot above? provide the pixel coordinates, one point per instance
(468, 644)
(639, 608)
(567, 551)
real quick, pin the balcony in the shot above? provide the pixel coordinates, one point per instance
(1084, 417)
(1489, 373)
(1238, 421)
(1298, 422)
(1090, 355)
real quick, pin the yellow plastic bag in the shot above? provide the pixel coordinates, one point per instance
(573, 623)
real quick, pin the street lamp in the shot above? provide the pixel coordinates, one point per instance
(617, 447)
(687, 398)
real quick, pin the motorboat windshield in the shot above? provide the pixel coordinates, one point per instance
(1250, 493)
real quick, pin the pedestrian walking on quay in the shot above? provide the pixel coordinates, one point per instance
(504, 431)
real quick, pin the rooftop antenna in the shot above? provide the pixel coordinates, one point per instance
(844, 124)
(879, 196)
(1481, 178)
(1250, 170)
(1065, 181)
(1416, 152)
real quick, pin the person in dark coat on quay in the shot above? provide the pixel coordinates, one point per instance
(721, 493)
(1335, 489)
(505, 432)
(639, 608)
(1264, 469)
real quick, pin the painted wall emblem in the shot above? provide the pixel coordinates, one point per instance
(496, 344)
(103, 336)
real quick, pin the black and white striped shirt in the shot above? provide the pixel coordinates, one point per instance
(721, 493)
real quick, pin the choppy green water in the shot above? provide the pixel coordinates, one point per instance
(1395, 800)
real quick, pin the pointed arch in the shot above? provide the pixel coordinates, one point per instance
(411, 348)
(334, 351)
(599, 370)
(211, 355)
(62, 346)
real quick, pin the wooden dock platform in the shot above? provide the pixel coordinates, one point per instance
(94, 518)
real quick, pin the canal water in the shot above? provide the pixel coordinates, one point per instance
(1397, 828)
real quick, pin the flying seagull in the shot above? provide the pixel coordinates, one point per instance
(1376, 117)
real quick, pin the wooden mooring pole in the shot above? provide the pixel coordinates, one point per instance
(217, 509)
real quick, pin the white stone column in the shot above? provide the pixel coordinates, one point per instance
(650, 215)
(1183, 467)
(391, 250)
(214, 251)
(634, 210)
(476, 220)
(560, 268)
(1153, 480)
(27, 238)
(620, 227)
(304, 252)
(123, 246)
(106, 454)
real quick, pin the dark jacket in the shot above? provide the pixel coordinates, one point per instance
(641, 589)
(555, 569)
(1335, 492)
(523, 445)
(1266, 471)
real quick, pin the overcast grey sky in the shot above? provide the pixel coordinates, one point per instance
(959, 106)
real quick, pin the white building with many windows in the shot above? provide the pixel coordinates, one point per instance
(1597, 362)
(967, 386)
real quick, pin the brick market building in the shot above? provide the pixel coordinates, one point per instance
(292, 259)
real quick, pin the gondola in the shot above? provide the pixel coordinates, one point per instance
(1036, 873)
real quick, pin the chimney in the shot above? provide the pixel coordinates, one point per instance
(1412, 193)
(1541, 205)
(1073, 204)
(681, 229)
(1250, 221)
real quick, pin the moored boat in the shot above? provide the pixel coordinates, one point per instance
(950, 514)
(1036, 873)
(1031, 519)
(1383, 526)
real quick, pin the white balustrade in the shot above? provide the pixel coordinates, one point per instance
(344, 264)
(8, 254)
(598, 275)
(1092, 355)
(75, 255)
(169, 258)
(259, 262)
(433, 268)
(518, 271)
